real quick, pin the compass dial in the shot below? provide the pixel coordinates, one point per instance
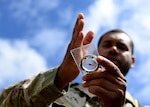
(88, 63)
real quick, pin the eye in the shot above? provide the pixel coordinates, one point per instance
(122, 47)
(107, 45)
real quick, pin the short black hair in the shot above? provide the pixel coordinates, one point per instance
(117, 31)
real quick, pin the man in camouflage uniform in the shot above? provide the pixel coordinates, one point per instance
(40, 91)
(104, 87)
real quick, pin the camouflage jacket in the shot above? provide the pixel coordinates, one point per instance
(40, 91)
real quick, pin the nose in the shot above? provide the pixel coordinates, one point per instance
(113, 50)
(114, 47)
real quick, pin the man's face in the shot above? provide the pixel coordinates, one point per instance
(117, 48)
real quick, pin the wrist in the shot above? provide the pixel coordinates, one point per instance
(59, 81)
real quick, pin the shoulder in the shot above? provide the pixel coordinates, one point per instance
(131, 102)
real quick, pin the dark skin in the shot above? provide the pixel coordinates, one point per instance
(116, 46)
(108, 84)
(68, 66)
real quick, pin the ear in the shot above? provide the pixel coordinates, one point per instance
(133, 61)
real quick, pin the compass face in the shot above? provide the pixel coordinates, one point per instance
(88, 63)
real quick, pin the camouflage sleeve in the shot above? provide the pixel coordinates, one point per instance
(131, 102)
(39, 91)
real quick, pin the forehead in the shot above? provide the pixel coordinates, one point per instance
(116, 37)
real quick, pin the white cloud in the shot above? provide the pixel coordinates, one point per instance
(32, 12)
(101, 13)
(135, 3)
(51, 42)
(18, 61)
(46, 5)
(65, 15)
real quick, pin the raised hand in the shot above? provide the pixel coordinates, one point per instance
(68, 70)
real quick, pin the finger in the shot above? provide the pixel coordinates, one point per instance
(103, 75)
(93, 75)
(88, 38)
(79, 39)
(110, 66)
(80, 16)
(107, 96)
(106, 84)
(100, 92)
(101, 82)
(78, 26)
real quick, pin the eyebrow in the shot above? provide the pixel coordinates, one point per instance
(119, 41)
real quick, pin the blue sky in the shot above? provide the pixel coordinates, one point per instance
(34, 35)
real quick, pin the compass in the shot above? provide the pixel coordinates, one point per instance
(88, 63)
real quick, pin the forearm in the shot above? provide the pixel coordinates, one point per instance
(34, 92)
